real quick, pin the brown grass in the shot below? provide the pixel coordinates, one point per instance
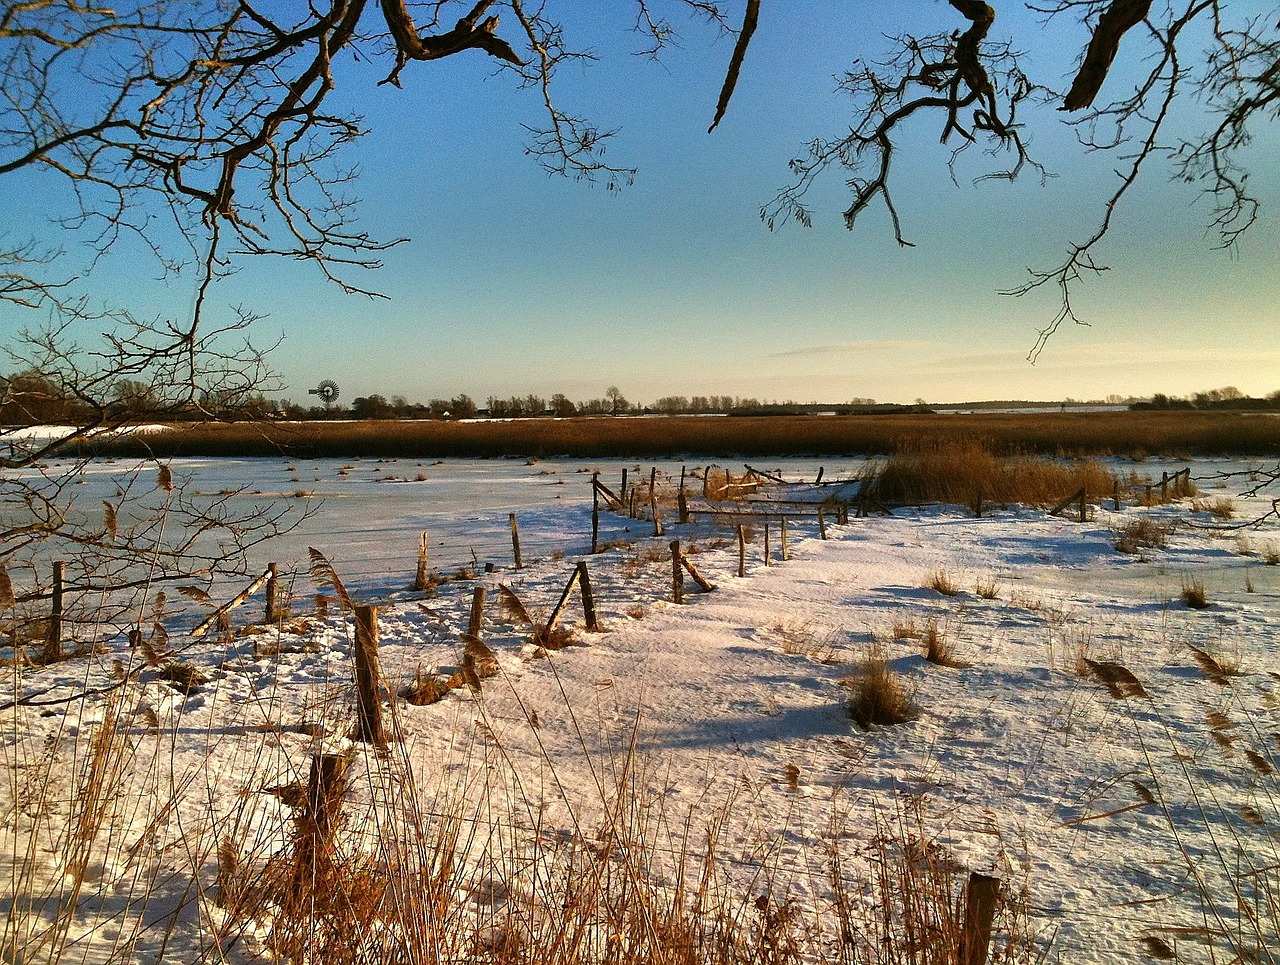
(938, 648)
(956, 471)
(1224, 507)
(1141, 533)
(1193, 594)
(1051, 434)
(941, 581)
(878, 696)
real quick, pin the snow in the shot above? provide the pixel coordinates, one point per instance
(729, 708)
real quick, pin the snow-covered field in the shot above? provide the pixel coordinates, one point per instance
(1119, 809)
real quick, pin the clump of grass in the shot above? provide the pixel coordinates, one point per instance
(938, 648)
(1193, 594)
(1224, 507)
(424, 689)
(905, 628)
(987, 588)
(803, 639)
(878, 695)
(1141, 533)
(942, 581)
(1218, 667)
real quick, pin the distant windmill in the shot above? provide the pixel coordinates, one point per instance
(328, 392)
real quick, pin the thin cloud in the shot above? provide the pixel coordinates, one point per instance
(857, 348)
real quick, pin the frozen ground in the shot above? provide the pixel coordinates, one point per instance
(1117, 813)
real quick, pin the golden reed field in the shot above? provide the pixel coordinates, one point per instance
(1072, 434)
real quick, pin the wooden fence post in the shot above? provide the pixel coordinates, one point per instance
(821, 470)
(476, 624)
(272, 613)
(422, 579)
(657, 517)
(325, 786)
(979, 911)
(595, 513)
(368, 678)
(623, 490)
(1164, 487)
(564, 597)
(1115, 495)
(977, 505)
(682, 502)
(767, 561)
(742, 550)
(53, 640)
(1084, 507)
(822, 523)
(786, 555)
(588, 598)
(515, 541)
(677, 573)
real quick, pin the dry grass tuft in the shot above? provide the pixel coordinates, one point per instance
(938, 648)
(805, 640)
(424, 689)
(1118, 679)
(905, 628)
(878, 696)
(1219, 668)
(987, 588)
(1139, 534)
(941, 581)
(1224, 507)
(1193, 594)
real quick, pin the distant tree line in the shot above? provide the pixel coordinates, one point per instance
(1226, 398)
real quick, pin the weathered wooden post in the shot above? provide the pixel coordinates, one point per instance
(272, 612)
(818, 481)
(1164, 487)
(822, 523)
(786, 555)
(742, 550)
(767, 560)
(319, 818)
(53, 640)
(977, 505)
(623, 490)
(1084, 506)
(476, 624)
(1115, 495)
(588, 598)
(682, 502)
(515, 541)
(657, 516)
(979, 912)
(368, 679)
(422, 579)
(677, 573)
(595, 513)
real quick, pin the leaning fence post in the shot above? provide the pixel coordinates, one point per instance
(272, 612)
(677, 573)
(785, 554)
(979, 911)
(588, 598)
(742, 550)
(368, 678)
(515, 541)
(475, 624)
(53, 641)
(595, 513)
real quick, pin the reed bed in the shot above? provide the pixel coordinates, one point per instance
(1071, 434)
(962, 472)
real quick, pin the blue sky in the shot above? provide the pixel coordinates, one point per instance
(515, 282)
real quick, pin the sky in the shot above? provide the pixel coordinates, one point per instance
(515, 282)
